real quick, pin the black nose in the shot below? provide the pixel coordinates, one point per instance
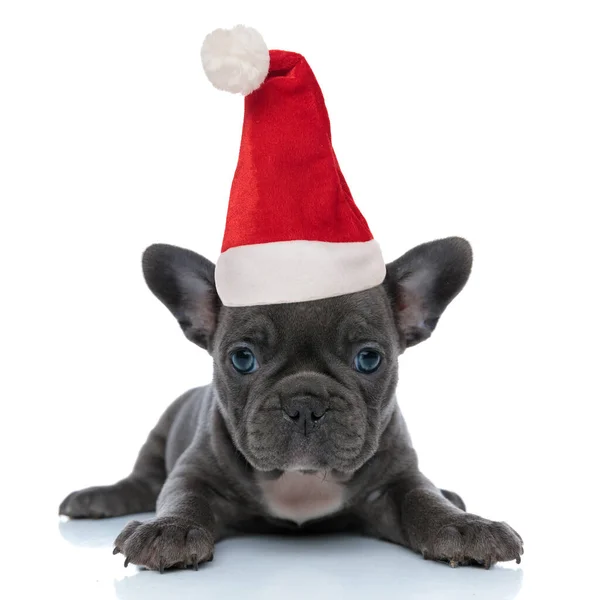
(306, 412)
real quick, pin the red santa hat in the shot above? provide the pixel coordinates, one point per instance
(293, 232)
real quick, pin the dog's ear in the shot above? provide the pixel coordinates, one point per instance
(422, 283)
(185, 283)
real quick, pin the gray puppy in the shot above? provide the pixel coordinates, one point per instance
(300, 430)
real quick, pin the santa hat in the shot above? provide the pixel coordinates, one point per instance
(293, 232)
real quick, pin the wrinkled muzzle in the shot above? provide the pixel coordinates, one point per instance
(306, 421)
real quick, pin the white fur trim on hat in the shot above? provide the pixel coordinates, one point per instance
(235, 60)
(296, 271)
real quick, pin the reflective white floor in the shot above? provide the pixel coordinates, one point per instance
(273, 567)
(79, 564)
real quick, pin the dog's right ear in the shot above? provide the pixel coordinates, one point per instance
(185, 283)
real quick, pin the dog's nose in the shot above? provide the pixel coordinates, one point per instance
(306, 412)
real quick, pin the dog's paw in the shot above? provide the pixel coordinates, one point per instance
(123, 498)
(164, 543)
(470, 540)
(93, 503)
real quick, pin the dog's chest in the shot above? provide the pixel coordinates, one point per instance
(300, 497)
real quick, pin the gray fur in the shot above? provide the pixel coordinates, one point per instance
(203, 464)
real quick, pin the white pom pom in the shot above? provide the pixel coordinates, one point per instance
(235, 60)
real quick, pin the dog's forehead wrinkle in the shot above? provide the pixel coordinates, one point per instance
(249, 323)
(316, 317)
(357, 327)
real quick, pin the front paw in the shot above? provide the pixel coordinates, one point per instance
(165, 542)
(470, 539)
(93, 503)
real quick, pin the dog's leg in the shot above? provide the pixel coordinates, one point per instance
(183, 532)
(137, 492)
(416, 514)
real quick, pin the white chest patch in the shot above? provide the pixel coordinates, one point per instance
(300, 497)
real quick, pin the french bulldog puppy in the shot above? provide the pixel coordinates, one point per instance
(300, 429)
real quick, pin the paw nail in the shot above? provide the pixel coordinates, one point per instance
(195, 562)
(116, 551)
(126, 562)
(518, 560)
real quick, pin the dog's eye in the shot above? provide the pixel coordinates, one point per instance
(244, 361)
(367, 360)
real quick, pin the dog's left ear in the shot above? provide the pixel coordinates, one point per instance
(422, 283)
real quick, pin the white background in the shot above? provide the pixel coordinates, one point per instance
(478, 119)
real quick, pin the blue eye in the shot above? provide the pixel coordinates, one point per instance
(244, 361)
(367, 361)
